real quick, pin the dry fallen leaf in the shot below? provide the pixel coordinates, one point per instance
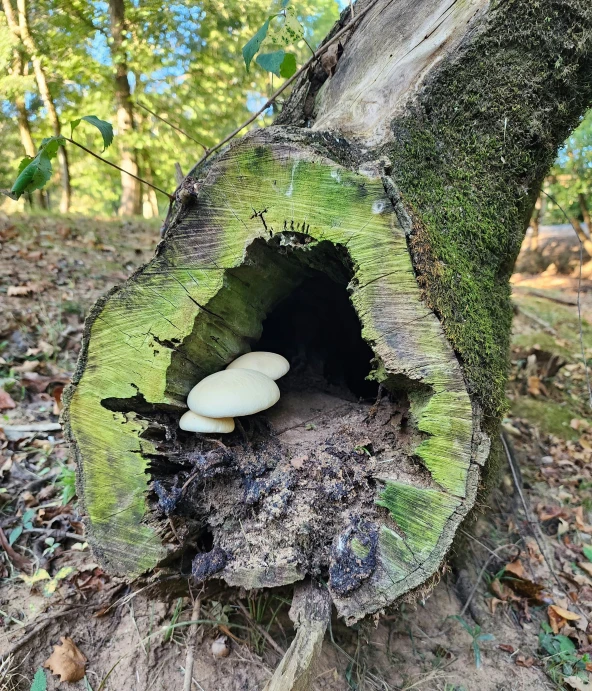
(493, 603)
(578, 683)
(27, 366)
(522, 661)
(330, 57)
(20, 291)
(67, 661)
(558, 616)
(534, 386)
(516, 568)
(6, 401)
(555, 620)
(586, 566)
(580, 522)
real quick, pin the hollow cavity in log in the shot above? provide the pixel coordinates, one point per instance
(285, 250)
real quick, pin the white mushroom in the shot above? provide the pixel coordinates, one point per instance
(192, 422)
(233, 392)
(271, 364)
(221, 647)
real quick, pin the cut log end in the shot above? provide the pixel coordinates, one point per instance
(284, 250)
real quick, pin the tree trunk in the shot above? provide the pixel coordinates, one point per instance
(582, 237)
(369, 237)
(585, 212)
(150, 205)
(131, 193)
(21, 30)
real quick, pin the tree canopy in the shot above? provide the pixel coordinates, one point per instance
(184, 62)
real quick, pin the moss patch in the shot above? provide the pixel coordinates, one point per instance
(548, 416)
(469, 159)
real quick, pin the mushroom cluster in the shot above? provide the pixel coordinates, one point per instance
(247, 386)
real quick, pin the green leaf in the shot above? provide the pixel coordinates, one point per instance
(33, 176)
(291, 30)
(288, 67)
(104, 127)
(477, 654)
(252, 46)
(566, 645)
(272, 62)
(23, 164)
(39, 681)
(14, 535)
(29, 515)
(51, 145)
(587, 550)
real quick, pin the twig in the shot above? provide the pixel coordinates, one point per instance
(39, 627)
(532, 522)
(191, 643)
(20, 562)
(56, 534)
(170, 124)
(545, 296)
(113, 165)
(284, 86)
(278, 649)
(579, 303)
(489, 559)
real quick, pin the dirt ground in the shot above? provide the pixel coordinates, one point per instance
(513, 601)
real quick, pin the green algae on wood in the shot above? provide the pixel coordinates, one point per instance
(200, 303)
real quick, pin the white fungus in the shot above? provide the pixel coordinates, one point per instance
(221, 647)
(192, 422)
(232, 393)
(271, 364)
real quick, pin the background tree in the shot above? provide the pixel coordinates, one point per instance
(131, 195)
(183, 61)
(19, 25)
(570, 182)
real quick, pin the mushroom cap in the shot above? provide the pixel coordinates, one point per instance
(271, 364)
(192, 422)
(233, 392)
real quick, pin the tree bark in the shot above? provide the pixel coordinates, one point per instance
(398, 185)
(150, 205)
(131, 193)
(20, 29)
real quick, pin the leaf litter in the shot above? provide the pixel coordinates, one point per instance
(52, 271)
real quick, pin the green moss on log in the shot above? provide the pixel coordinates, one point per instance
(469, 159)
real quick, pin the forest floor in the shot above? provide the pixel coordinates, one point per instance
(512, 606)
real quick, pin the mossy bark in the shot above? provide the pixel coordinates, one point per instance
(423, 216)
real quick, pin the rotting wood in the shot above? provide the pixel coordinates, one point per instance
(310, 207)
(415, 208)
(311, 613)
